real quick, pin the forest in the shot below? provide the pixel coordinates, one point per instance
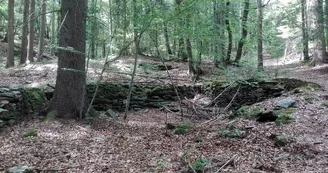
(172, 86)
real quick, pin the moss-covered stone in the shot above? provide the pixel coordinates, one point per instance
(33, 100)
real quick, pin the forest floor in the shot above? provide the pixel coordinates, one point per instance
(142, 143)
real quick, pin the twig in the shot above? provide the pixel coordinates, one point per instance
(189, 165)
(169, 75)
(233, 98)
(233, 157)
(214, 100)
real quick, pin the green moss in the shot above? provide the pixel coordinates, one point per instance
(230, 133)
(309, 100)
(183, 129)
(32, 132)
(281, 141)
(247, 112)
(199, 164)
(34, 100)
(284, 116)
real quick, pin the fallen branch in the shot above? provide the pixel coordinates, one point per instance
(214, 100)
(223, 166)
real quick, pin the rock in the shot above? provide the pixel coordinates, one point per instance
(20, 169)
(99, 138)
(286, 103)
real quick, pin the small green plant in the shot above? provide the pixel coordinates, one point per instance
(281, 141)
(284, 116)
(49, 117)
(309, 100)
(183, 128)
(230, 133)
(284, 119)
(200, 164)
(247, 112)
(32, 132)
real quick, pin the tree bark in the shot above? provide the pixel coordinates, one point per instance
(167, 40)
(227, 22)
(69, 100)
(53, 28)
(42, 30)
(11, 34)
(31, 32)
(305, 33)
(24, 42)
(259, 36)
(244, 32)
(320, 21)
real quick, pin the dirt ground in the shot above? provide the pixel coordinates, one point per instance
(143, 144)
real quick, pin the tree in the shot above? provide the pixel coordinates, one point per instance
(69, 100)
(305, 33)
(42, 30)
(259, 36)
(24, 33)
(53, 31)
(227, 23)
(11, 34)
(321, 30)
(243, 32)
(31, 31)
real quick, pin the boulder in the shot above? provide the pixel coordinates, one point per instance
(286, 103)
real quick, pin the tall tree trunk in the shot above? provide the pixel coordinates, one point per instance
(11, 34)
(244, 32)
(320, 20)
(53, 30)
(31, 32)
(167, 41)
(42, 30)
(181, 50)
(24, 42)
(93, 29)
(227, 22)
(259, 36)
(305, 33)
(69, 100)
(219, 23)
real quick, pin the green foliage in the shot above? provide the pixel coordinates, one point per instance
(111, 114)
(248, 112)
(230, 133)
(200, 164)
(50, 116)
(183, 129)
(32, 132)
(281, 140)
(309, 100)
(284, 116)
